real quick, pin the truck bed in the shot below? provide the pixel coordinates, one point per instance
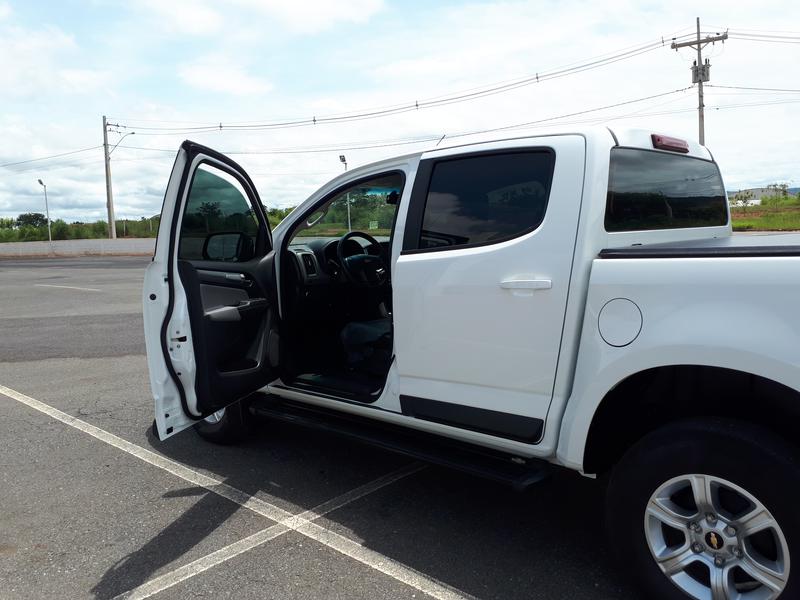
(737, 245)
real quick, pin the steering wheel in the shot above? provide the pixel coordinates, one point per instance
(365, 270)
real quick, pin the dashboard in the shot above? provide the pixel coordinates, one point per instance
(317, 261)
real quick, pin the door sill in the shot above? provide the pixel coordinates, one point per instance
(276, 388)
(325, 386)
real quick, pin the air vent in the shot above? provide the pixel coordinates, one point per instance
(309, 264)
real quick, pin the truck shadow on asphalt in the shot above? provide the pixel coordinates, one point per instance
(481, 538)
(170, 544)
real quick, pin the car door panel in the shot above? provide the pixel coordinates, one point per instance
(478, 320)
(230, 339)
(214, 340)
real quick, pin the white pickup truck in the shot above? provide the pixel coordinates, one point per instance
(573, 299)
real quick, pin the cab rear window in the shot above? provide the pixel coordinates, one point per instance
(656, 190)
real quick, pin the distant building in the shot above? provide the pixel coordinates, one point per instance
(758, 193)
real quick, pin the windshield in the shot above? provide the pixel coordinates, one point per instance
(367, 206)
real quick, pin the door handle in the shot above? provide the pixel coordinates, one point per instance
(240, 278)
(526, 284)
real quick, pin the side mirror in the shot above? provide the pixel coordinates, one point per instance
(229, 247)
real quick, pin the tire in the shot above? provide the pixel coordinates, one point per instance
(229, 426)
(742, 469)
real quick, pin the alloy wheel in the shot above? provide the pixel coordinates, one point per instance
(715, 540)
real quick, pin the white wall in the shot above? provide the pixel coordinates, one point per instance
(98, 247)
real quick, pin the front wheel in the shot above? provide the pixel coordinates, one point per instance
(708, 510)
(229, 425)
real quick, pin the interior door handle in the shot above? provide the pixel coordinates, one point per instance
(526, 284)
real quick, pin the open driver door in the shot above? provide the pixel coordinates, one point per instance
(210, 295)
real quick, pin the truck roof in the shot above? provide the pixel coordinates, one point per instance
(605, 135)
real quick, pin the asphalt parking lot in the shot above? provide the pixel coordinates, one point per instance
(92, 506)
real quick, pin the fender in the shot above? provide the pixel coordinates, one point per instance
(733, 313)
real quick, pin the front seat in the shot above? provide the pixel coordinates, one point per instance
(368, 345)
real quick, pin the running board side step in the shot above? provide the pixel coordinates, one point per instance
(511, 470)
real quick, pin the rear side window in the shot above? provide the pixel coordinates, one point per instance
(486, 198)
(656, 190)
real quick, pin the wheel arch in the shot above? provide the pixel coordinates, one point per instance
(654, 397)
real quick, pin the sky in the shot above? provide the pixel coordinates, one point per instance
(161, 68)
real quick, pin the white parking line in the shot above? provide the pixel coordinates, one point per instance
(166, 581)
(286, 521)
(66, 287)
(293, 523)
(215, 485)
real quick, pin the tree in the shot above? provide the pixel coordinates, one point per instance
(60, 230)
(210, 211)
(276, 215)
(779, 189)
(32, 220)
(99, 229)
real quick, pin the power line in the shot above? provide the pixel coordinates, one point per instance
(663, 40)
(765, 41)
(363, 145)
(531, 125)
(75, 162)
(310, 150)
(766, 103)
(528, 124)
(767, 36)
(573, 114)
(760, 89)
(22, 162)
(770, 38)
(759, 30)
(762, 34)
(410, 106)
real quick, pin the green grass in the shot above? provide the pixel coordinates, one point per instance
(773, 220)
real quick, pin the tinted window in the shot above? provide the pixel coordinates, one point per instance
(484, 199)
(217, 205)
(656, 190)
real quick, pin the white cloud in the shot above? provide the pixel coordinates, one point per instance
(28, 59)
(215, 74)
(35, 63)
(201, 17)
(82, 80)
(184, 16)
(312, 16)
(5, 10)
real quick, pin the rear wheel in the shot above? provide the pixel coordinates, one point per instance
(707, 510)
(228, 425)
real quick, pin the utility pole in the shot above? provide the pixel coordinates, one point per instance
(112, 228)
(701, 72)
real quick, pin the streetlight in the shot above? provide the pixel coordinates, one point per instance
(119, 142)
(112, 221)
(343, 160)
(47, 210)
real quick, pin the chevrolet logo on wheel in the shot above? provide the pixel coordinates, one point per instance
(713, 540)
